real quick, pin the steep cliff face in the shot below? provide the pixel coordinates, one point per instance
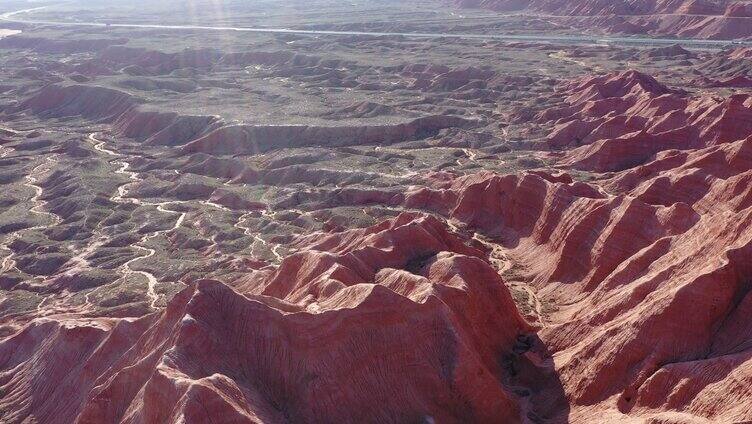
(647, 279)
(652, 287)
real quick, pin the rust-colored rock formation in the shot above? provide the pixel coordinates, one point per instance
(379, 240)
(619, 129)
(407, 321)
(716, 19)
(351, 311)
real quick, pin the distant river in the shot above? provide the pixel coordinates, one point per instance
(7, 32)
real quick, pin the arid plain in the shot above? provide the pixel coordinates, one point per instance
(430, 212)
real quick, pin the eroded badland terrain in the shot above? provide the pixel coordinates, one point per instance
(521, 215)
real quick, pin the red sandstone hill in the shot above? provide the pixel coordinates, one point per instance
(648, 265)
(652, 292)
(739, 81)
(329, 328)
(612, 129)
(719, 19)
(607, 7)
(656, 295)
(632, 266)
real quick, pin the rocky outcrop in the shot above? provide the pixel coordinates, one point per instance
(670, 52)
(621, 121)
(254, 139)
(164, 128)
(91, 102)
(603, 7)
(653, 292)
(327, 329)
(736, 82)
(212, 270)
(685, 18)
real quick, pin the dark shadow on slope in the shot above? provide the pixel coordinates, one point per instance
(529, 372)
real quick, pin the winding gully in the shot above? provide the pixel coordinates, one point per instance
(32, 181)
(120, 197)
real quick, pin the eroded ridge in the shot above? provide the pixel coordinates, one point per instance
(220, 226)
